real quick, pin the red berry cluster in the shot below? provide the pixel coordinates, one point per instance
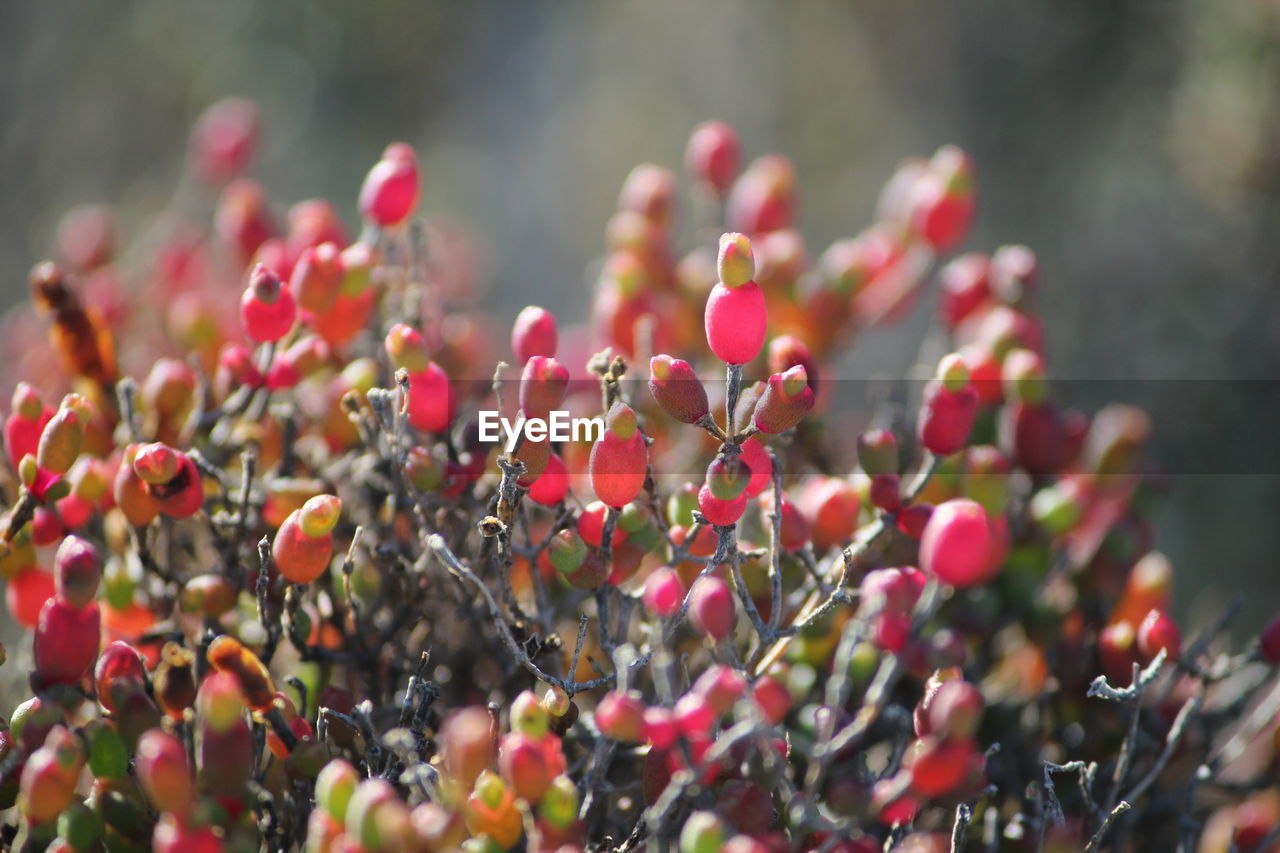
(296, 601)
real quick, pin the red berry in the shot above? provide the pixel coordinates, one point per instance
(735, 322)
(389, 194)
(956, 543)
(711, 608)
(713, 155)
(1159, 631)
(534, 333)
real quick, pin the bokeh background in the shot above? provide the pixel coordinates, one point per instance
(1135, 144)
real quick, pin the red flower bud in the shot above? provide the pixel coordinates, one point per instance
(77, 571)
(956, 543)
(466, 745)
(224, 140)
(543, 384)
(938, 766)
(389, 194)
(663, 592)
(317, 278)
(66, 641)
(620, 715)
(677, 389)
(164, 773)
(534, 333)
(552, 485)
(651, 192)
(721, 686)
(966, 288)
(758, 460)
(786, 399)
(946, 417)
(267, 308)
(525, 764)
(1159, 631)
(735, 322)
(243, 220)
(304, 544)
(711, 608)
(619, 462)
(226, 654)
(773, 698)
(430, 402)
(25, 595)
(720, 512)
(942, 200)
(713, 156)
(407, 348)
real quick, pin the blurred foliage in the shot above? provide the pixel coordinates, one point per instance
(1134, 144)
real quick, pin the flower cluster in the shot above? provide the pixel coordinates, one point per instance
(295, 602)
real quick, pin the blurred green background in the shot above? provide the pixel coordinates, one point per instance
(1134, 145)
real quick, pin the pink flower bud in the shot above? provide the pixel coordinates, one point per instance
(389, 194)
(534, 333)
(711, 608)
(719, 512)
(735, 322)
(786, 399)
(620, 716)
(543, 384)
(663, 592)
(956, 543)
(552, 485)
(267, 309)
(677, 389)
(713, 155)
(619, 462)
(430, 401)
